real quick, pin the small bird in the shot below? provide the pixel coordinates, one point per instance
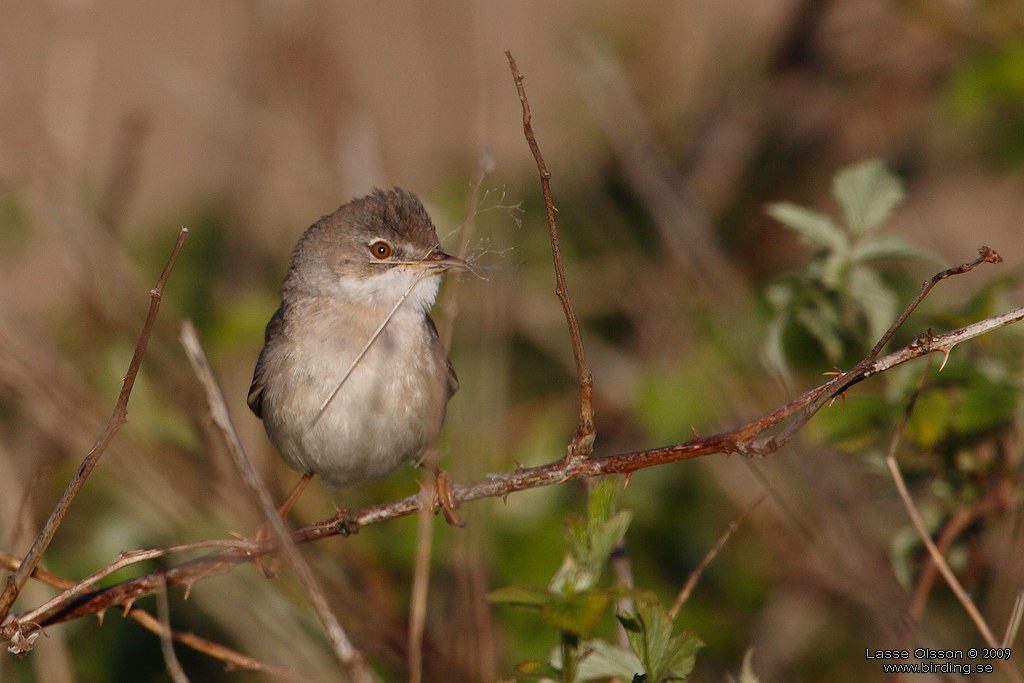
(353, 380)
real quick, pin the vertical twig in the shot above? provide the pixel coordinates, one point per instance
(421, 582)
(583, 442)
(17, 581)
(166, 644)
(922, 532)
(691, 580)
(351, 658)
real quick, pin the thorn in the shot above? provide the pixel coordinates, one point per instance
(945, 357)
(626, 484)
(337, 510)
(127, 606)
(237, 535)
(834, 372)
(694, 430)
(519, 465)
(188, 586)
(504, 499)
(99, 616)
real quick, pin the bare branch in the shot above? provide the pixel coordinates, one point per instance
(16, 581)
(583, 442)
(691, 580)
(741, 440)
(233, 659)
(166, 644)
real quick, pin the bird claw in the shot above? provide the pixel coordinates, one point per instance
(445, 498)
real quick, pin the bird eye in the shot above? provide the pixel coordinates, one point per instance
(381, 250)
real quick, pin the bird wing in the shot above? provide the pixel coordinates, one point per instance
(255, 398)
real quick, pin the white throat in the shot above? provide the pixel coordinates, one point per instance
(386, 288)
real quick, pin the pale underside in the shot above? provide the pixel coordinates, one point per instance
(390, 407)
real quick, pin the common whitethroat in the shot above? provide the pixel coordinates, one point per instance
(353, 380)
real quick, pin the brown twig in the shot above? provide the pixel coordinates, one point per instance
(583, 441)
(421, 582)
(922, 531)
(16, 581)
(740, 440)
(233, 659)
(691, 580)
(351, 658)
(166, 643)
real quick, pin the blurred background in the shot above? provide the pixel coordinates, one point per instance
(667, 126)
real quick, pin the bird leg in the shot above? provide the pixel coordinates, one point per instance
(269, 565)
(443, 494)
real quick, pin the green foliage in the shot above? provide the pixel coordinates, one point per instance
(665, 657)
(573, 603)
(987, 93)
(839, 300)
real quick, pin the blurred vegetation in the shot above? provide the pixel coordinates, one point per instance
(672, 144)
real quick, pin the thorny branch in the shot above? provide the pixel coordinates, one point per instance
(231, 658)
(742, 440)
(16, 581)
(583, 441)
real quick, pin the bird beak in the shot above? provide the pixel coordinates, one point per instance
(438, 260)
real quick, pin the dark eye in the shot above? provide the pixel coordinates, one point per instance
(381, 250)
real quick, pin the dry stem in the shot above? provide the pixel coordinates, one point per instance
(583, 442)
(233, 659)
(351, 659)
(17, 581)
(691, 580)
(915, 517)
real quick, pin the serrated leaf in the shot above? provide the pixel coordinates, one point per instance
(522, 595)
(877, 301)
(815, 228)
(664, 657)
(878, 247)
(577, 613)
(867, 193)
(604, 660)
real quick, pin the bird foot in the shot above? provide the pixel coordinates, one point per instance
(269, 565)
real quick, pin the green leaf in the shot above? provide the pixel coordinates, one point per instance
(522, 595)
(601, 502)
(604, 661)
(878, 247)
(577, 613)
(877, 301)
(664, 657)
(815, 228)
(867, 193)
